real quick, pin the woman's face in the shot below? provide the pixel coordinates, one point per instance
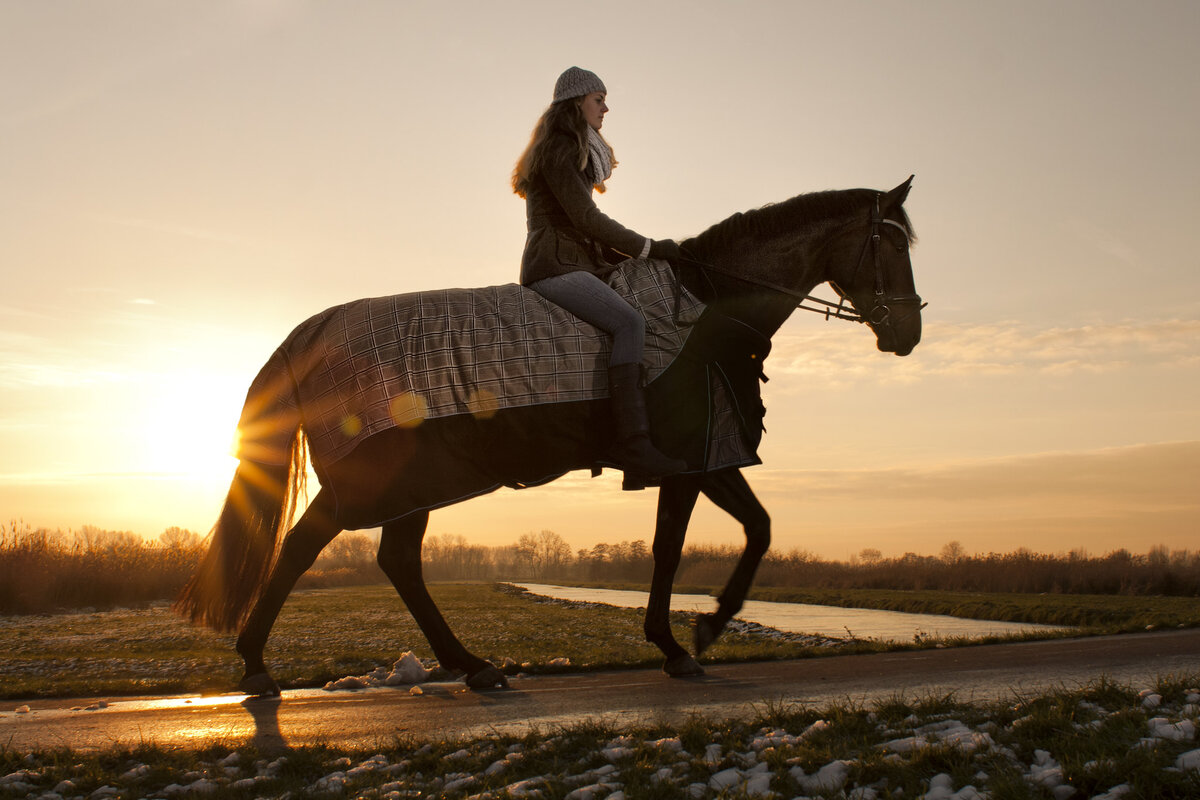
(593, 108)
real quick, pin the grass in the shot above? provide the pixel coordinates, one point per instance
(325, 634)
(1088, 739)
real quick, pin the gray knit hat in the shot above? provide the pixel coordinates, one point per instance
(577, 82)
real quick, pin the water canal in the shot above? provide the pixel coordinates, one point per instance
(840, 623)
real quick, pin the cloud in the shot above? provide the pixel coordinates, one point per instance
(1131, 497)
(1155, 475)
(990, 349)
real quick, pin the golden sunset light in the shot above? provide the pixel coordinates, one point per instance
(184, 183)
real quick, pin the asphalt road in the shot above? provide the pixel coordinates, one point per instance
(378, 716)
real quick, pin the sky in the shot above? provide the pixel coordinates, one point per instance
(183, 183)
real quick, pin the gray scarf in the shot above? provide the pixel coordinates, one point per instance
(599, 159)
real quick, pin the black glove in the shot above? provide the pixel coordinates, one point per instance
(665, 249)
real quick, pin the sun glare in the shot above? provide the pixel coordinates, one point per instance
(190, 430)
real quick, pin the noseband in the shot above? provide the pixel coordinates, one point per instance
(880, 312)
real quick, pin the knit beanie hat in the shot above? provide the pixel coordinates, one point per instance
(577, 82)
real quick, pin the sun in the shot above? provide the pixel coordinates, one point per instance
(189, 428)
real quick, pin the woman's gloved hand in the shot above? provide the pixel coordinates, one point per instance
(666, 249)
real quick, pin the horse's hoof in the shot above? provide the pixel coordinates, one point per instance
(488, 678)
(704, 632)
(683, 666)
(260, 684)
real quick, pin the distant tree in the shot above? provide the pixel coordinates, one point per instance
(953, 552)
(350, 550)
(870, 556)
(89, 537)
(544, 553)
(179, 538)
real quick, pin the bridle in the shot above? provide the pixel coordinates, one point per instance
(880, 312)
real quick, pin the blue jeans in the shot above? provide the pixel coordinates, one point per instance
(597, 303)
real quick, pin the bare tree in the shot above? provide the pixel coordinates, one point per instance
(545, 553)
(179, 538)
(953, 552)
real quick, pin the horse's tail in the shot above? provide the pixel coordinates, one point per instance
(244, 544)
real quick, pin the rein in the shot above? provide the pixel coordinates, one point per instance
(880, 312)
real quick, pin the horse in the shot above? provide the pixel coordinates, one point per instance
(751, 271)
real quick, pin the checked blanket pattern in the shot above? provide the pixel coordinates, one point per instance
(369, 365)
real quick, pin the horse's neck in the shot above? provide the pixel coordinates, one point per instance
(761, 287)
(792, 260)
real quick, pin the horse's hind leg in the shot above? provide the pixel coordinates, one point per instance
(400, 558)
(676, 499)
(729, 491)
(300, 549)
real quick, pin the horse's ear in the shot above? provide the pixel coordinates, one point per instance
(898, 195)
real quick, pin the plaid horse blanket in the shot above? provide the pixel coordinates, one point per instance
(369, 365)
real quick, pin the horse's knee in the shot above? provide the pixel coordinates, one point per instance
(758, 533)
(666, 556)
(398, 558)
(300, 550)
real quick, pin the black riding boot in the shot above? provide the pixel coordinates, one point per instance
(634, 451)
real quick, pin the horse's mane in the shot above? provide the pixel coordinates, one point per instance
(802, 212)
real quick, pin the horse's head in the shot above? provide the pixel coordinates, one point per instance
(873, 272)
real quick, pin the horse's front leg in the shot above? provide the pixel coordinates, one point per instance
(303, 543)
(729, 491)
(676, 499)
(400, 558)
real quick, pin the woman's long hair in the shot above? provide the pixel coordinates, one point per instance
(561, 117)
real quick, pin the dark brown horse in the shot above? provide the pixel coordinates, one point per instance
(752, 271)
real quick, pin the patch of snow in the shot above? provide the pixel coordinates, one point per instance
(248, 783)
(828, 778)
(617, 753)
(406, 671)
(1188, 761)
(1162, 728)
(201, 786)
(135, 773)
(460, 783)
(1045, 771)
(526, 788)
(20, 776)
(594, 791)
(1115, 793)
(671, 745)
(725, 779)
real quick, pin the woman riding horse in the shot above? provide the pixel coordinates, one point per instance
(569, 247)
